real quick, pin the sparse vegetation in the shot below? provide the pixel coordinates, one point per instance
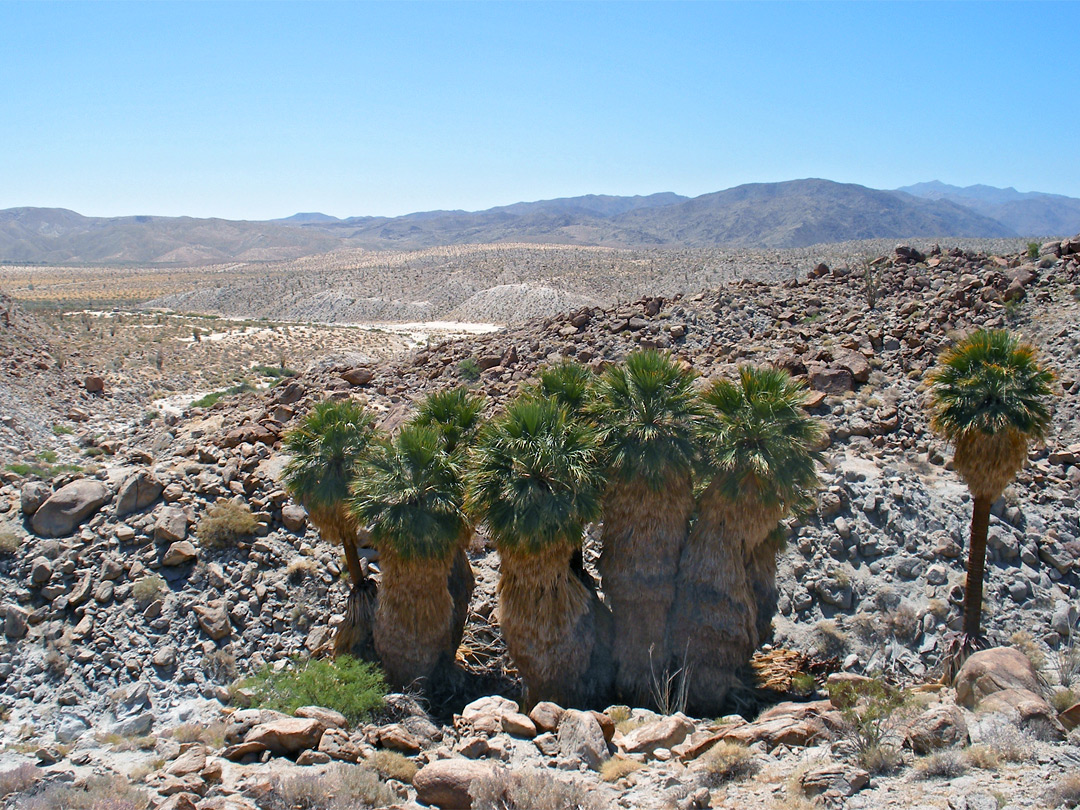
(392, 765)
(209, 400)
(224, 523)
(10, 541)
(469, 369)
(532, 790)
(354, 688)
(18, 779)
(616, 768)
(341, 787)
(1065, 792)
(873, 716)
(147, 589)
(98, 793)
(947, 764)
(1033, 250)
(727, 762)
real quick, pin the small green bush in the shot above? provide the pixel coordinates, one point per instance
(147, 589)
(62, 430)
(874, 714)
(224, 523)
(208, 400)
(276, 372)
(469, 369)
(347, 685)
(1033, 250)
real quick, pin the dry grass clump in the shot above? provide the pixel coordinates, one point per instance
(941, 765)
(18, 778)
(1004, 738)
(224, 523)
(300, 568)
(10, 541)
(1063, 699)
(212, 735)
(147, 589)
(983, 757)
(1065, 792)
(614, 769)
(351, 787)
(829, 639)
(98, 793)
(1025, 643)
(533, 790)
(727, 762)
(392, 765)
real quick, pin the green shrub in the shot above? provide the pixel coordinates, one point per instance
(147, 589)
(276, 372)
(354, 688)
(1033, 250)
(225, 523)
(208, 400)
(874, 714)
(469, 369)
(62, 430)
(726, 762)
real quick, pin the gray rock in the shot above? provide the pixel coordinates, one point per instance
(171, 525)
(136, 726)
(15, 622)
(40, 570)
(180, 553)
(581, 740)
(138, 491)
(68, 507)
(70, 728)
(33, 495)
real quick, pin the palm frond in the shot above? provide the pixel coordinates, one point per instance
(326, 449)
(455, 412)
(535, 478)
(568, 383)
(990, 382)
(647, 413)
(758, 438)
(408, 491)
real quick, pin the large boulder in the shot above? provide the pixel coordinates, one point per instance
(138, 491)
(66, 509)
(663, 733)
(581, 739)
(445, 783)
(288, 736)
(941, 726)
(994, 670)
(1026, 709)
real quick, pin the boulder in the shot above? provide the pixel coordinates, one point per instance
(836, 779)
(94, 384)
(328, 717)
(33, 495)
(294, 517)
(398, 738)
(445, 783)
(337, 744)
(180, 553)
(855, 364)
(832, 380)
(171, 525)
(288, 736)
(518, 725)
(67, 508)
(546, 715)
(664, 733)
(214, 620)
(993, 670)
(193, 760)
(581, 740)
(940, 726)
(138, 491)
(358, 376)
(1026, 708)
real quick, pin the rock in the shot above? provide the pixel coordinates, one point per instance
(445, 783)
(287, 736)
(137, 725)
(180, 801)
(518, 725)
(312, 758)
(33, 495)
(193, 760)
(180, 553)
(546, 715)
(70, 728)
(1070, 717)
(235, 753)
(841, 780)
(164, 657)
(397, 738)
(358, 376)
(832, 380)
(940, 726)
(94, 384)
(1027, 708)
(791, 724)
(40, 571)
(492, 705)
(993, 670)
(581, 740)
(213, 619)
(171, 525)
(328, 717)
(908, 253)
(855, 363)
(664, 733)
(68, 507)
(337, 744)
(294, 517)
(138, 491)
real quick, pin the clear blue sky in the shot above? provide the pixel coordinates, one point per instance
(256, 110)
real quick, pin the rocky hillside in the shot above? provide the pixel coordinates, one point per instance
(120, 623)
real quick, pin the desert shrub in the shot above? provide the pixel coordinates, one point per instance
(873, 714)
(1033, 250)
(354, 688)
(469, 369)
(1010, 744)
(62, 430)
(904, 623)
(1025, 643)
(829, 639)
(614, 769)
(225, 523)
(352, 787)
(1065, 792)
(10, 540)
(99, 793)
(1063, 699)
(18, 778)
(726, 762)
(803, 683)
(1065, 660)
(221, 666)
(147, 589)
(532, 790)
(300, 568)
(618, 714)
(209, 400)
(392, 765)
(983, 757)
(947, 764)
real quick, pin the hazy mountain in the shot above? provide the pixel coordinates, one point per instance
(1028, 213)
(792, 214)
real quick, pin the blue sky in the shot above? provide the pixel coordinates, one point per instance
(254, 110)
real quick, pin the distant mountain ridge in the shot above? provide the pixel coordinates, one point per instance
(796, 213)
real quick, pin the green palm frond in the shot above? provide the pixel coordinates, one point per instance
(326, 449)
(759, 439)
(990, 382)
(455, 412)
(647, 412)
(408, 492)
(568, 383)
(535, 478)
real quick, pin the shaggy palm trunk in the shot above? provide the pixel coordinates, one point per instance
(976, 567)
(413, 619)
(713, 619)
(353, 635)
(460, 583)
(550, 620)
(644, 534)
(761, 576)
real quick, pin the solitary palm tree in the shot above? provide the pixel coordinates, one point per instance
(409, 493)
(989, 397)
(646, 412)
(535, 482)
(759, 445)
(455, 413)
(326, 449)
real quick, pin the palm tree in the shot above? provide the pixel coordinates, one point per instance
(568, 383)
(535, 482)
(759, 444)
(455, 413)
(326, 449)
(646, 412)
(409, 493)
(989, 397)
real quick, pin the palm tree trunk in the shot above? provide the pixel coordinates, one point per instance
(976, 567)
(644, 534)
(712, 622)
(549, 620)
(460, 584)
(413, 618)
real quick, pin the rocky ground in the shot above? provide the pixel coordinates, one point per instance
(120, 624)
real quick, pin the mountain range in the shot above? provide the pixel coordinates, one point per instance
(796, 213)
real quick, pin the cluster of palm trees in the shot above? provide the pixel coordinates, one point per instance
(690, 487)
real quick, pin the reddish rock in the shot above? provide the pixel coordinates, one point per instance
(445, 782)
(289, 736)
(358, 376)
(993, 670)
